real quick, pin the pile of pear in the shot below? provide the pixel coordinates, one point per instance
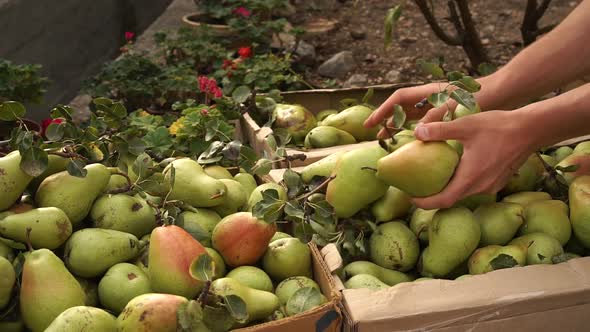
(518, 226)
(98, 260)
(327, 128)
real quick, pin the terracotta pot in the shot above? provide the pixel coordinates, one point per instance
(197, 19)
(6, 128)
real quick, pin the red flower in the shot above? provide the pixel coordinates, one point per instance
(129, 36)
(227, 64)
(45, 123)
(242, 11)
(217, 93)
(203, 83)
(209, 86)
(245, 52)
(204, 112)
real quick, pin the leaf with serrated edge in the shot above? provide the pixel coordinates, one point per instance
(202, 268)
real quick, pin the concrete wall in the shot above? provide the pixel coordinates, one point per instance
(70, 38)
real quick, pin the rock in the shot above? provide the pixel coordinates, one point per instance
(306, 53)
(356, 81)
(408, 40)
(393, 76)
(338, 65)
(358, 34)
(81, 106)
(370, 58)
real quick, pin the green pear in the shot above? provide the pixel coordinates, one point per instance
(322, 167)
(90, 252)
(458, 146)
(50, 227)
(325, 136)
(582, 162)
(13, 180)
(525, 197)
(234, 201)
(461, 111)
(560, 153)
(219, 263)
(83, 318)
(286, 258)
(424, 279)
(6, 251)
(582, 147)
(12, 326)
(259, 304)
(286, 288)
(123, 213)
(121, 284)
(73, 195)
(355, 185)
(499, 222)
(420, 221)
(549, 160)
(55, 164)
(199, 224)
(390, 277)
(365, 281)
(400, 139)
(192, 185)
(351, 120)
(218, 172)
(463, 277)
(549, 217)
(394, 246)
(474, 201)
(116, 182)
(453, 235)
(394, 204)
(47, 289)
(7, 280)
(495, 257)
(279, 235)
(252, 277)
(296, 119)
(247, 181)
(579, 198)
(324, 114)
(151, 312)
(527, 176)
(293, 306)
(90, 288)
(419, 168)
(256, 195)
(541, 247)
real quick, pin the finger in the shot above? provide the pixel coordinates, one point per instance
(441, 131)
(434, 115)
(385, 110)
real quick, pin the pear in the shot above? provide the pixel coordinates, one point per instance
(219, 263)
(324, 114)
(234, 201)
(453, 235)
(575, 246)
(458, 146)
(296, 119)
(72, 194)
(325, 136)
(123, 213)
(55, 164)
(388, 276)
(247, 181)
(82, 318)
(90, 288)
(355, 185)
(549, 217)
(581, 159)
(50, 227)
(351, 120)
(6, 251)
(525, 197)
(322, 167)
(579, 198)
(561, 153)
(499, 222)
(151, 312)
(242, 239)
(116, 182)
(252, 277)
(365, 281)
(420, 222)
(527, 176)
(121, 284)
(259, 304)
(47, 289)
(541, 247)
(170, 273)
(13, 180)
(400, 139)
(410, 168)
(218, 172)
(256, 195)
(463, 277)
(7, 280)
(12, 326)
(192, 185)
(286, 258)
(199, 224)
(90, 252)
(582, 147)
(494, 257)
(394, 246)
(424, 279)
(549, 160)
(461, 111)
(474, 201)
(286, 288)
(394, 204)
(279, 235)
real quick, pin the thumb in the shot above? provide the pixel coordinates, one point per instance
(439, 131)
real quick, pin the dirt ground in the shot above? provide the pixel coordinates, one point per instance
(498, 23)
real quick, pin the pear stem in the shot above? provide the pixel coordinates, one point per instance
(316, 189)
(159, 220)
(125, 189)
(204, 294)
(28, 236)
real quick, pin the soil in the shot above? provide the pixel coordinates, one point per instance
(498, 23)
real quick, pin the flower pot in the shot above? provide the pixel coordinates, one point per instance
(197, 20)
(6, 128)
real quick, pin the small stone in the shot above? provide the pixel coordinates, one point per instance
(370, 58)
(358, 34)
(485, 41)
(338, 65)
(393, 76)
(306, 53)
(356, 81)
(408, 40)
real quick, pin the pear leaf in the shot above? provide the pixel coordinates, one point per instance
(62, 111)
(367, 97)
(464, 98)
(202, 268)
(241, 94)
(503, 261)
(438, 99)
(323, 212)
(391, 19)
(486, 68)
(210, 155)
(102, 101)
(34, 161)
(567, 169)
(158, 140)
(272, 142)
(399, 116)
(454, 76)
(136, 146)
(293, 209)
(190, 317)
(319, 229)
(467, 83)
(262, 167)
(431, 68)
(265, 104)
(141, 165)
(563, 257)
(293, 182)
(236, 307)
(320, 241)
(541, 257)
(348, 102)
(282, 137)
(303, 299)
(76, 168)
(218, 318)
(54, 132)
(13, 244)
(198, 233)
(231, 151)
(11, 110)
(269, 207)
(119, 110)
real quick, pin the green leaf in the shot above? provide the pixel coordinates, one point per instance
(348, 102)
(563, 257)
(262, 167)
(241, 94)
(158, 140)
(141, 165)
(293, 182)
(34, 161)
(265, 105)
(467, 83)
(11, 110)
(431, 68)
(391, 19)
(119, 110)
(399, 116)
(136, 146)
(485, 68)
(217, 319)
(76, 168)
(464, 98)
(212, 154)
(202, 268)
(319, 229)
(236, 307)
(62, 111)
(231, 151)
(541, 257)
(303, 299)
(503, 261)
(270, 207)
(367, 97)
(454, 76)
(190, 317)
(13, 244)
(282, 137)
(567, 169)
(102, 101)
(438, 99)
(293, 209)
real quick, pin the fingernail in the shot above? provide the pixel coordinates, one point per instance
(421, 131)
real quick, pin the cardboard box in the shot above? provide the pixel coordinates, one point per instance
(325, 318)
(315, 101)
(530, 298)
